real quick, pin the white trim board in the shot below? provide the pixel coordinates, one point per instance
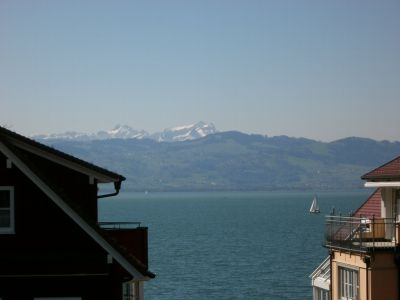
(71, 213)
(377, 184)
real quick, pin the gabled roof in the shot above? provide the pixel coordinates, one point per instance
(12, 144)
(387, 172)
(102, 175)
(371, 207)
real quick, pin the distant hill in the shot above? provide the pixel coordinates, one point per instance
(235, 161)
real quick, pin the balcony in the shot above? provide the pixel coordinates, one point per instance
(130, 237)
(362, 235)
(119, 225)
(321, 277)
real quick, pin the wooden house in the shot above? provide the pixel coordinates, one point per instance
(52, 245)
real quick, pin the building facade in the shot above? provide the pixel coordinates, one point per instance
(52, 245)
(364, 256)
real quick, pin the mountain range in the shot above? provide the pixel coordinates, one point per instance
(232, 160)
(174, 134)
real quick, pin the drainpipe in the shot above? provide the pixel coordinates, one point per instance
(331, 254)
(397, 262)
(367, 261)
(117, 187)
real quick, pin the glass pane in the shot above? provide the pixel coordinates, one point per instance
(4, 199)
(128, 291)
(5, 219)
(342, 283)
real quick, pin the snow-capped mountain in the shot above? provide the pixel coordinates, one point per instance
(68, 135)
(175, 134)
(185, 133)
(122, 132)
(119, 131)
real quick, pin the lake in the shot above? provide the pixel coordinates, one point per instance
(231, 245)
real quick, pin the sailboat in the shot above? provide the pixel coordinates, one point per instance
(314, 206)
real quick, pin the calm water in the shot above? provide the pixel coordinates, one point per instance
(250, 245)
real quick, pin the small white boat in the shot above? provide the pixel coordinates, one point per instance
(314, 209)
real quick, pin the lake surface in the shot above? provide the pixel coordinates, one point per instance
(231, 245)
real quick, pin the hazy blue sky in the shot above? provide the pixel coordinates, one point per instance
(318, 69)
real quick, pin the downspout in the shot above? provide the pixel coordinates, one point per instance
(117, 187)
(367, 269)
(367, 261)
(397, 262)
(396, 254)
(331, 254)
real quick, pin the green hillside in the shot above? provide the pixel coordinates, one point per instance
(236, 161)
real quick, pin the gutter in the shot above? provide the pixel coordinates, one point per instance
(91, 231)
(117, 187)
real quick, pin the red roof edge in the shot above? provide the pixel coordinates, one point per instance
(387, 171)
(371, 207)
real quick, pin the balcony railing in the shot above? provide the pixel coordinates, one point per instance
(131, 236)
(360, 234)
(118, 225)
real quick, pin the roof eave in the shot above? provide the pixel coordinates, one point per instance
(100, 174)
(381, 178)
(382, 184)
(123, 261)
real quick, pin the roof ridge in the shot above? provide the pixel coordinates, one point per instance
(61, 200)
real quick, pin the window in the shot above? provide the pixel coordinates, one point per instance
(6, 209)
(348, 284)
(130, 291)
(321, 294)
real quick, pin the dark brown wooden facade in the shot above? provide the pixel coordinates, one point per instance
(56, 248)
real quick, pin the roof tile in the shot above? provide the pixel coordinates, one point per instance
(388, 171)
(371, 207)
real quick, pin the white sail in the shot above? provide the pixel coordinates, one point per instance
(314, 206)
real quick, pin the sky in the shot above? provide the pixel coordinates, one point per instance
(319, 69)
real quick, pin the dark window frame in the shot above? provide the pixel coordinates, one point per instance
(10, 209)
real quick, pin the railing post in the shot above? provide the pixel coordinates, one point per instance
(373, 232)
(331, 230)
(361, 231)
(340, 237)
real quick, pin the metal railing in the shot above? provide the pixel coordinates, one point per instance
(118, 225)
(323, 270)
(360, 234)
